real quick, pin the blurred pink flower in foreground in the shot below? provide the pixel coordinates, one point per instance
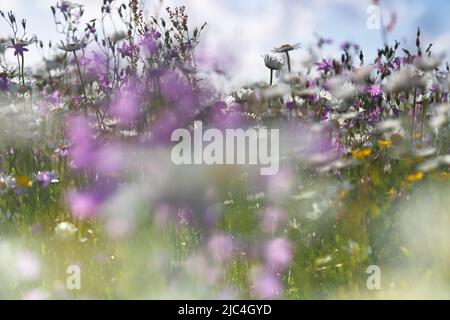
(28, 266)
(81, 137)
(267, 285)
(221, 246)
(83, 205)
(278, 253)
(374, 91)
(125, 106)
(272, 219)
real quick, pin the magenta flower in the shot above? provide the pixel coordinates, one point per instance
(374, 91)
(178, 90)
(290, 105)
(83, 205)
(272, 219)
(127, 50)
(125, 107)
(62, 151)
(278, 253)
(45, 178)
(109, 160)
(325, 65)
(55, 97)
(225, 116)
(149, 42)
(266, 285)
(85, 61)
(82, 139)
(221, 246)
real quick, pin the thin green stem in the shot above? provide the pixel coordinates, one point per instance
(288, 61)
(271, 82)
(289, 70)
(413, 116)
(424, 112)
(81, 79)
(22, 70)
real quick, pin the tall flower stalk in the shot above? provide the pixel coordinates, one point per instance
(286, 48)
(272, 63)
(73, 46)
(18, 43)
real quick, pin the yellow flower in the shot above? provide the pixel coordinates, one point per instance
(24, 181)
(396, 139)
(415, 177)
(384, 143)
(361, 153)
(343, 194)
(444, 174)
(392, 193)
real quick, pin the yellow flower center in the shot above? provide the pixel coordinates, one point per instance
(361, 153)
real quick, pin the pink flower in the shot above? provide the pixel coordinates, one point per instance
(127, 50)
(272, 219)
(85, 61)
(83, 205)
(82, 149)
(55, 97)
(374, 91)
(124, 107)
(45, 178)
(266, 285)
(278, 253)
(325, 65)
(149, 42)
(221, 246)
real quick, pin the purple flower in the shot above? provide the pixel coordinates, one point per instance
(290, 105)
(435, 88)
(323, 41)
(325, 65)
(149, 42)
(85, 61)
(225, 116)
(125, 106)
(4, 82)
(82, 149)
(62, 150)
(55, 97)
(221, 246)
(397, 63)
(83, 205)
(374, 91)
(348, 45)
(109, 160)
(278, 253)
(266, 285)
(373, 116)
(20, 48)
(272, 219)
(63, 6)
(45, 178)
(127, 50)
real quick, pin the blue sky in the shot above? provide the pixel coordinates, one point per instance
(248, 29)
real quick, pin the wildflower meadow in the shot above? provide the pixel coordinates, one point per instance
(132, 167)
